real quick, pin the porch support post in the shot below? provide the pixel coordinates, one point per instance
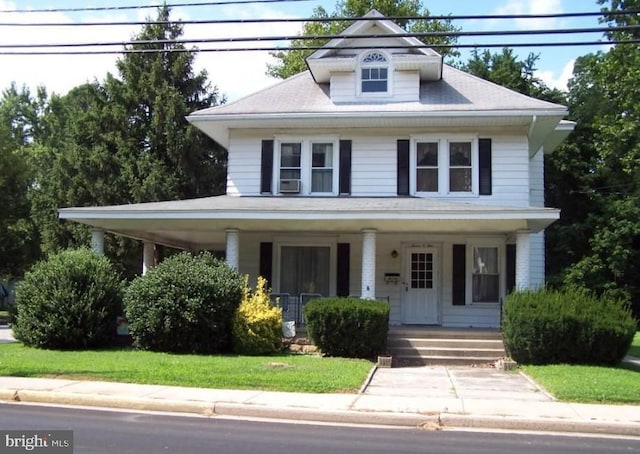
(368, 289)
(233, 248)
(97, 241)
(148, 256)
(523, 259)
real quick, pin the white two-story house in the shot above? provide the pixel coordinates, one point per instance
(380, 172)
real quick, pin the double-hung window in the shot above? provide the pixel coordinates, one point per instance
(374, 73)
(485, 275)
(443, 166)
(307, 166)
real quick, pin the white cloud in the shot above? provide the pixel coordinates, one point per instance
(235, 73)
(560, 82)
(532, 7)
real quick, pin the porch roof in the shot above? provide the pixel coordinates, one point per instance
(201, 223)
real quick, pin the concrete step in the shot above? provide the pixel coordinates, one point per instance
(441, 361)
(444, 333)
(489, 353)
(415, 346)
(394, 342)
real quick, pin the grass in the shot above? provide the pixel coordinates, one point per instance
(590, 384)
(635, 346)
(294, 373)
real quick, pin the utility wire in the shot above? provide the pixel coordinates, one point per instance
(132, 7)
(310, 19)
(441, 34)
(287, 49)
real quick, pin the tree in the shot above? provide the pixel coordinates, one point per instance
(126, 140)
(605, 102)
(18, 238)
(291, 62)
(505, 69)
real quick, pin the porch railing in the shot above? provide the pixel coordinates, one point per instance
(292, 305)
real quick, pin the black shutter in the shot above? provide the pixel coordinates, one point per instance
(266, 169)
(342, 287)
(484, 151)
(511, 267)
(459, 279)
(266, 260)
(345, 167)
(403, 167)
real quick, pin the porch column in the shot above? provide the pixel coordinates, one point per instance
(148, 256)
(97, 241)
(368, 289)
(233, 248)
(523, 259)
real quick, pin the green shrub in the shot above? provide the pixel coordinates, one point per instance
(348, 327)
(69, 301)
(566, 326)
(184, 305)
(257, 325)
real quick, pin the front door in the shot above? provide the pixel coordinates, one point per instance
(420, 292)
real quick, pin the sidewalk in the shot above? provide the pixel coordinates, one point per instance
(432, 397)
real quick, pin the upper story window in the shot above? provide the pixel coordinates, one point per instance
(307, 166)
(444, 166)
(374, 73)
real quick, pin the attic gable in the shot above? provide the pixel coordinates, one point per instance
(343, 54)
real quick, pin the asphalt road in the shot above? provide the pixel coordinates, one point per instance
(98, 431)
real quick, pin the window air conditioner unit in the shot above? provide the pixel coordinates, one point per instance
(290, 186)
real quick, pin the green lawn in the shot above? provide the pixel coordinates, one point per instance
(635, 346)
(300, 373)
(593, 384)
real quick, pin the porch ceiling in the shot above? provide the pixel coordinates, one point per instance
(201, 223)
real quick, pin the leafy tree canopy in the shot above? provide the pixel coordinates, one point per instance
(291, 62)
(126, 140)
(597, 241)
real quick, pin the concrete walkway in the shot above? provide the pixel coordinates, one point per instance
(432, 397)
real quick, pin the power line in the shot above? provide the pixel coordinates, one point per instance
(286, 49)
(134, 7)
(307, 19)
(437, 34)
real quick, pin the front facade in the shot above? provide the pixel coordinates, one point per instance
(380, 173)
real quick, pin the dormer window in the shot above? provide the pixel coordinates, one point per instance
(374, 73)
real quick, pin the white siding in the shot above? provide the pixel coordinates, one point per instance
(243, 176)
(373, 166)
(406, 86)
(477, 315)
(536, 179)
(343, 87)
(510, 163)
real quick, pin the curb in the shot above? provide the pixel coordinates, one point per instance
(431, 421)
(130, 403)
(538, 424)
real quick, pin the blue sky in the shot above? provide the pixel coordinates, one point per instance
(239, 73)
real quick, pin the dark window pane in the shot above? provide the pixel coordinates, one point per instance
(374, 86)
(427, 180)
(460, 180)
(486, 288)
(460, 153)
(427, 154)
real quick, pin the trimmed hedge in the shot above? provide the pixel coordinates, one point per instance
(257, 325)
(566, 326)
(69, 301)
(348, 327)
(184, 305)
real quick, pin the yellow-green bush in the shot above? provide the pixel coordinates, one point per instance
(257, 325)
